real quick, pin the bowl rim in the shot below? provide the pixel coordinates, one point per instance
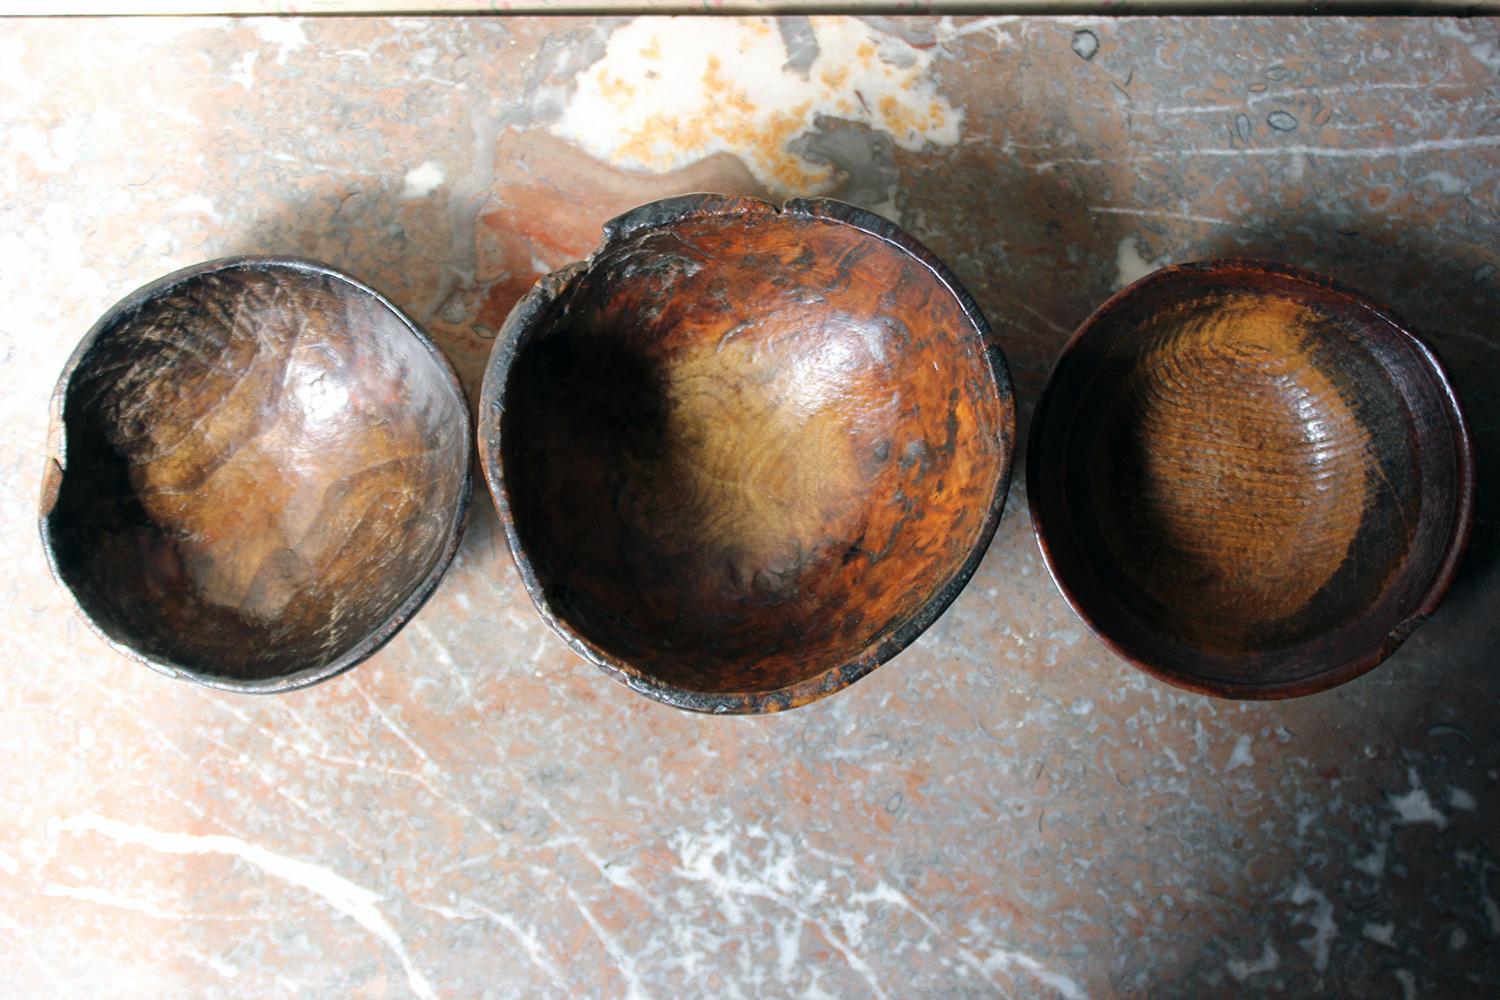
(521, 325)
(1446, 567)
(55, 469)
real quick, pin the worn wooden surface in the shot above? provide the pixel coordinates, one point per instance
(259, 471)
(1250, 482)
(747, 454)
(1006, 808)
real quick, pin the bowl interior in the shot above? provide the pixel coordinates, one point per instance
(741, 450)
(1245, 478)
(263, 463)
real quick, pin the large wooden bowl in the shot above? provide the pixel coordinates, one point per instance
(1249, 481)
(744, 455)
(259, 471)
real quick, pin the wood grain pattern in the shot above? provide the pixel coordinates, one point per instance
(264, 463)
(744, 455)
(1248, 480)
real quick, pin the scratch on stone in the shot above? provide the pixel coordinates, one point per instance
(445, 658)
(1332, 152)
(946, 30)
(1155, 214)
(615, 875)
(150, 727)
(626, 965)
(699, 867)
(1186, 109)
(355, 902)
(311, 753)
(887, 893)
(1049, 324)
(427, 760)
(10, 924)
(1282, 95)
(103, 897)
(528, 940)
(285, 705)
(194, 808)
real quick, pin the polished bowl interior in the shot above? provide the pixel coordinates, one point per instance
(260, 471)
(745, 454)
(1249, 481)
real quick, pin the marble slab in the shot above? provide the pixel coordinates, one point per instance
(1003, 810)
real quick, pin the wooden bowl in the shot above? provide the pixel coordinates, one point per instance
(744, 455)
(259, 471)
(1249, 481)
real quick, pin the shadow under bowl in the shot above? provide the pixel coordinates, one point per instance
(259, 471)
(743, 455)
(1249, 481)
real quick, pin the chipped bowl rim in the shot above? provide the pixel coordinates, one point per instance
(523, 323)
(55, 470)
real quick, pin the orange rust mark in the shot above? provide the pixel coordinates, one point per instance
(640, 147)
(712, 81)
(898, 120)
(770, 149)
(834, 78)
(652, 51)
(730, 118)
(739, 101)
(616, 88)
(866, 53)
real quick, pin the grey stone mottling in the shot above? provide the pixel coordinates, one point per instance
(1005, 808)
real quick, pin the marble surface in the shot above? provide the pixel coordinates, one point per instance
(1005, 808)
(323, 7)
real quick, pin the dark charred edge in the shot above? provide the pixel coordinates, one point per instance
(517, 330)
(520, 325)
(668, 211)
(1458, 538)
(57, 436)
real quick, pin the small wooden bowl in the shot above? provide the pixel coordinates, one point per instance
(1249, 481)
(259, 471)
(744, 455)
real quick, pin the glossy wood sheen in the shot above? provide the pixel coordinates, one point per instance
(1249, 481)
(744, 455)
(261, 470)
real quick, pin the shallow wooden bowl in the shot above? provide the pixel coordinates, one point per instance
(1249, 481)
(259, 471)
(744, 455)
